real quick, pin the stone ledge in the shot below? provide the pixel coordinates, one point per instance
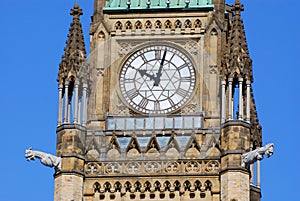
(70, 126)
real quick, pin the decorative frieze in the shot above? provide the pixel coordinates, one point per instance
(190, 167)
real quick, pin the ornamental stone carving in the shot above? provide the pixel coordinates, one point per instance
(257, 154)
(132, 168)
(92, 169)
(46, 159)
(212, 166)
(152, 167)
(172, 167)
(112, 168)
(192, 166)
(124, 48)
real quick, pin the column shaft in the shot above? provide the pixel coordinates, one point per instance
(66, 99)
(76, 101)
(69, 112)
(84, 101)
(60, 99)
(223, 102)
(248, 102)
(258, 174)
(241, 104)
(230, 106)
(79, 111)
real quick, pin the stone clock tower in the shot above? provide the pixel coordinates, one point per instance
(162, 110)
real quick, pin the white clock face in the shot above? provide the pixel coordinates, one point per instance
(157, 79)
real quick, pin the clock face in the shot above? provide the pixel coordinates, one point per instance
(157, 79)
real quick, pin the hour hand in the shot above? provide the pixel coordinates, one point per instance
(159, 74)
(144, 72)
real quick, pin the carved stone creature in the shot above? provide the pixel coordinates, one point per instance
(257, 154)
(46, 159)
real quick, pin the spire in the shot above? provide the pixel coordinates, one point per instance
(75, 53)
(236, 61)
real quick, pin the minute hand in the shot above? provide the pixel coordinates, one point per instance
(159, 74)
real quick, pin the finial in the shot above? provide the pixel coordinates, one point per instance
(148, 3)
(187, 2)
(128, 4)
(76, 11)
(238, 7)
(168, 3)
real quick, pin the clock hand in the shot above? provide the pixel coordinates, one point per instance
(144, 72)
(159, 74)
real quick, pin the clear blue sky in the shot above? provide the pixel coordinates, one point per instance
(33, 35)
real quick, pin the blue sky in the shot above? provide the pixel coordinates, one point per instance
(33, 35)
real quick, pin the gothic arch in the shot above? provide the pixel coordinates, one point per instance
(177, 185)
(96, 187)
(208, 185)
(147, 186)
(137, 186)
(187, 24)
(148, 24)
(197, 23)
(101, 35)
(168, 24)
(107, 187)
(118, 25)
(157, 186)
(167, 186)
(187, 185)
(127, 186)
(197, 185)
(177, 24)
(138, 25)
(128, 25)
(118, 186)
(158, 24)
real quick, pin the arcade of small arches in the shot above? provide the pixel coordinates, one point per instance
(158, 24)
(149, 190)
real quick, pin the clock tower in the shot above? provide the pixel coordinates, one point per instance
(162, 110)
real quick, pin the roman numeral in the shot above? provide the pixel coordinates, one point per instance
(171, 102)
(157, 54)
(183, 66)
(185, 79)
(182, 92)
(132, 93)
(143, 103)
(156, 106)
(144, 58)
(129, 80)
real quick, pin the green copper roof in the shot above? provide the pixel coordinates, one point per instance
(156, 4)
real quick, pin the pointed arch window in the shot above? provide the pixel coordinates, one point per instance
(127, 186)
(148, 24)
(168, 24)
(208, 185)
(158, 24)
(96, 187)
(138, 25)
(197, 23)
(157, 186)
(137, 186)
(187, 185)
(147, 186)
(188, 24)
(128, 25)
(118, 186)
(107, 187)
(118, 25)
(178, 24)
(167, 186)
